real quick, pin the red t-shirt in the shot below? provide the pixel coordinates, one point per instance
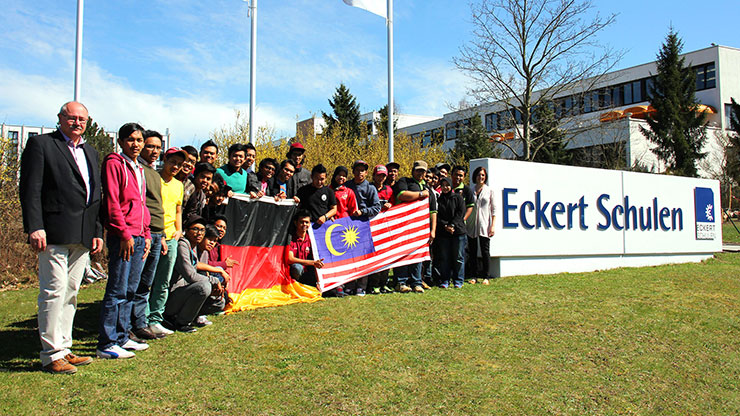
(301, 247)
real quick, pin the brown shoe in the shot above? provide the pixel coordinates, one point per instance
(75, 360)
(146, 334)
(60, 366)
(425, 286)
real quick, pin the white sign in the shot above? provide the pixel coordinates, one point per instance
(553, 218)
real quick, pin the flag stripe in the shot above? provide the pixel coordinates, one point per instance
(400, 236)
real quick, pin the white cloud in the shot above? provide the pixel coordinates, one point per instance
(36, 99)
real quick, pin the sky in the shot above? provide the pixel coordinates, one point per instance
(183, 65)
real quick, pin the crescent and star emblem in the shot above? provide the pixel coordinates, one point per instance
(327, 239)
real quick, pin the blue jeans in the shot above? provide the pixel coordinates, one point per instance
(123, 280)
(302, 274)
(409, 275)
(450, 259)
(161, 284)
(141, 298)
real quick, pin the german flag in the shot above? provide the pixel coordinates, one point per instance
(256, 237)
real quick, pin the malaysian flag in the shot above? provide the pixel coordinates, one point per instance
(352, 248)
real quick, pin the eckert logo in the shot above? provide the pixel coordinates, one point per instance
(704, 208)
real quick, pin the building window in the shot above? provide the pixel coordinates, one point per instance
(649, 84)
(32, 133)
(637, 91)
(451, 131)
(491, 122)
(705, 76)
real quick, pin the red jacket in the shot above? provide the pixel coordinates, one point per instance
(124, 211)
(346, 202)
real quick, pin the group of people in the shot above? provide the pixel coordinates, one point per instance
(163, 228)
(461, 222)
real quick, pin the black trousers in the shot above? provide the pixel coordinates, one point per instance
(471, 267)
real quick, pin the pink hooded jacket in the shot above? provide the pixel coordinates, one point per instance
(124, 208)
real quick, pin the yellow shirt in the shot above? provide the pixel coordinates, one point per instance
(171, 199)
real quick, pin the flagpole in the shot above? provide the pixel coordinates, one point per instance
(252, 69)
(78, 51)
(390, 80)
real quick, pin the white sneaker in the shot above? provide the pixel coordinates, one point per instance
(158, 329)
(202, 321)
(136, 346)
(114, 352)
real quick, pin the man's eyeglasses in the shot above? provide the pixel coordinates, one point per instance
(199, 230)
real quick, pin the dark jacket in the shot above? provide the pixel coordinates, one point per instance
(52, 191)
(450, 211)
(254, 184)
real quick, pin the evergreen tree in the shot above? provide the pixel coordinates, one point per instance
(346, 117)
(473, 143)
(99, 139)
(553, 141)
(732, 152)
(382, 124)
(677, 129)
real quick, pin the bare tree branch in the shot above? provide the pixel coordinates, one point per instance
(525, 53)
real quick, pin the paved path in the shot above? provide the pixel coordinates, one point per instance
(731, 247)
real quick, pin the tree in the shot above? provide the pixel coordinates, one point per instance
(346, 117)
(525, 52)
(382, 124)
(676, 128)
(473, 143)
(732, 150)
(99, 139)
(546, 126)
(332, 150)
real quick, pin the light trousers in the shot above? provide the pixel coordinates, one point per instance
(61, 268)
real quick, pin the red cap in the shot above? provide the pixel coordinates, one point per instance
(296, 146)
(175, 150)
(380, 169)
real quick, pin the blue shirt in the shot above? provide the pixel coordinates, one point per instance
(367, 197)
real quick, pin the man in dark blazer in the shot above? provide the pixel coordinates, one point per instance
(60, 199)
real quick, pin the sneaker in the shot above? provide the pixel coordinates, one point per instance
(159, 330)
(135, 346)
(186, 329)
(386, 289)
(359, 292)
(472, 281)
(425, 286)
(443, 286)
(376, 291)
(202, 321)
(114, 352)
(403, 289)
(418, 289)
(485, 282)
(458, 286)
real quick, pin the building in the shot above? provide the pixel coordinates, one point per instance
(605, 118)
(18, 136)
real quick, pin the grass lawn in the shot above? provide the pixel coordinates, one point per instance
(656, 340)
(729, 233)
